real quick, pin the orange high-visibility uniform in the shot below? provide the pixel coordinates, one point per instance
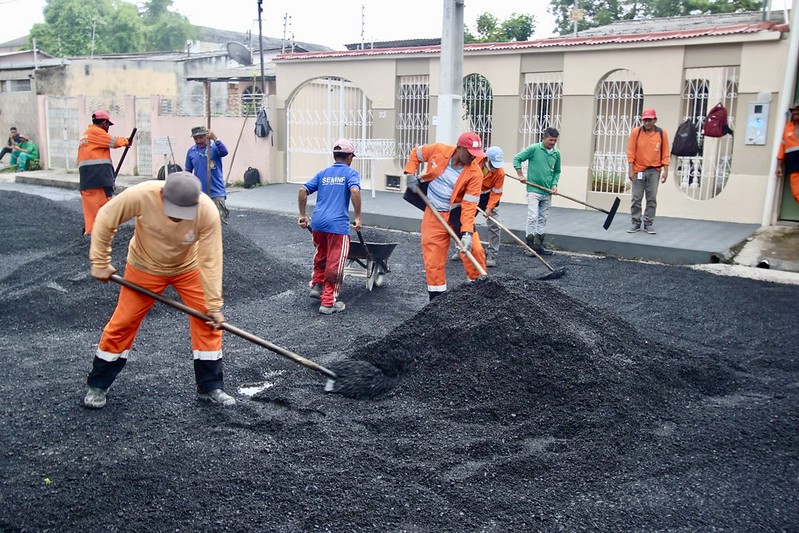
(493, 182)
(789, 155)
(466, 194)
(96, 171)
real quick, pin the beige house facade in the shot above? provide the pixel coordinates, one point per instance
(592, 88)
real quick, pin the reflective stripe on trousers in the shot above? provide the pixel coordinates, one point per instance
(435, 245)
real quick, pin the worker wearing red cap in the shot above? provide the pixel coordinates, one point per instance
(454, 180)
(648, 166)
(95, 166)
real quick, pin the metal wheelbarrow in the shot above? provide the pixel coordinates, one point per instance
(369, 260)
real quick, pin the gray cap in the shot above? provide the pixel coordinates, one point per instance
(181, 195)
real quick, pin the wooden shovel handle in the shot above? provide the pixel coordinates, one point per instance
(225, 326)
(550, 191)
(509, 232)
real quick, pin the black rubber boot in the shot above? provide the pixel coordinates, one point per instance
(530, 239)
(433, 294)
(542, 250)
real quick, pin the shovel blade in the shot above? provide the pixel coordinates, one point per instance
(612, 213)
(555, 274)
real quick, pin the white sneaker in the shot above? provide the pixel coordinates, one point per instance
(335, 308)
(95, 398)
(217, 396)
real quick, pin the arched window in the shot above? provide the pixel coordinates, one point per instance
(619, 100)
(478, 103)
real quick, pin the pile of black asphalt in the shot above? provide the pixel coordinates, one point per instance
(622, 396)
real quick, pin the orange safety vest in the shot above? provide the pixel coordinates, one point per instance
(493, 181)
(466, 192)
(789, 149)
(94, 157)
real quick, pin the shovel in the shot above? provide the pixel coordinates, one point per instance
(553, 273)
(125, 152)
(348, 383)
(611, 213)
(451, 232)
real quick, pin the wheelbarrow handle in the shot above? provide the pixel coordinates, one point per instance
(125, 152)
(451, 232)
(225, 326)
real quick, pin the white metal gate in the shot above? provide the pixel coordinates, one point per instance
(704, 176)
(320, 112)
(619, 99)
(63, 131)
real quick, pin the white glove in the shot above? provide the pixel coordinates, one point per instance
(466, 241)
(412, 181)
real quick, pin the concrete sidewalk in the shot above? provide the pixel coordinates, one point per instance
(678, 241)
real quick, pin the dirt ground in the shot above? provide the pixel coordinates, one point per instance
(623, 396)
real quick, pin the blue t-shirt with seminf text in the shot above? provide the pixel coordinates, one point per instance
(332, 211)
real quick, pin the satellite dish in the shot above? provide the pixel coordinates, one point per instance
(239, 53)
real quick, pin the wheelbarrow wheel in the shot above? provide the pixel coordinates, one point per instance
(371, 274)
(380, 275)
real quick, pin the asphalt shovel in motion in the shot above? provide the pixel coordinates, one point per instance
(611, 213)
(553, 273)
(354, 379)
(451, 232)
(125, 152)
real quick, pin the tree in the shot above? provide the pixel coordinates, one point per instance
(603, 12)
(165, 30)
(490, 30)
(80, 28)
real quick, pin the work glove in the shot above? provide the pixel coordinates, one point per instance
(466, 241)
(412, 181)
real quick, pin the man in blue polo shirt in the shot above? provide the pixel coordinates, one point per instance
(197, 163)
(336, 185)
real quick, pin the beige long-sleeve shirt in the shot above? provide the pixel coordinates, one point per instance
(161, 246)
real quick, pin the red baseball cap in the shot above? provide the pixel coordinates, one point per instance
(102, 115)
(471, 141)
(648, 113)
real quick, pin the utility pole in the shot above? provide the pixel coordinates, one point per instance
(94, 32)
(286, 18)
(450, 98)
(363, 24)
(261, 50)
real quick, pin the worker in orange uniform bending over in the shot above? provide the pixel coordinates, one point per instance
(95, 166)
(453, 180)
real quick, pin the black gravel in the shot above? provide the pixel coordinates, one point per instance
(622, 396)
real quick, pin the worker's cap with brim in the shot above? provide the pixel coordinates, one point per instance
(471, 141)
(344, 146)
(794, 106)
(23, 136)
(199, 130)
(495, 156)
(102, 115)
(648, 113)
(181, 195)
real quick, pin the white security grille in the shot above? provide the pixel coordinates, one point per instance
(541, 99)
(319, 113)
(232, 105)
(705, 176)
(619, 99)
(413, 117)
(478, 103)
